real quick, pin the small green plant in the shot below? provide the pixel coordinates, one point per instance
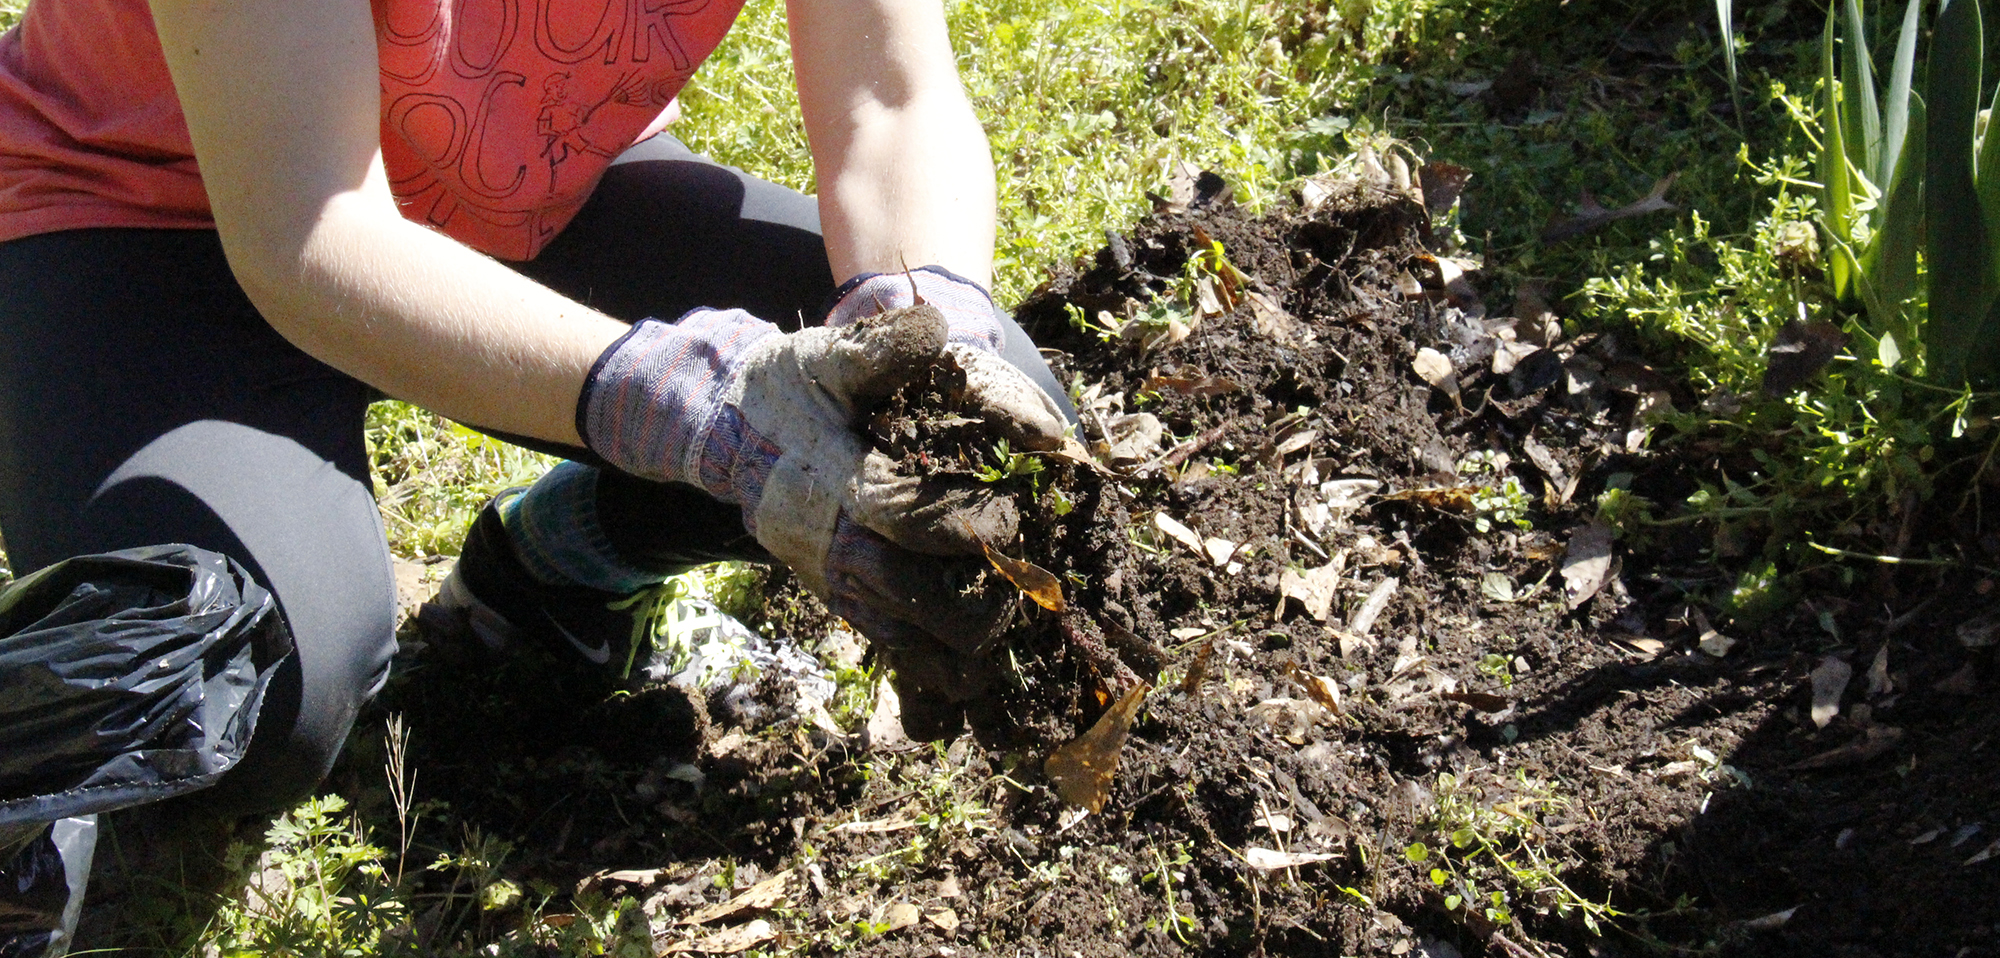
(1504, 504)
(1168, 871)
(323, 890)
(1492, 857)
(1004, 463)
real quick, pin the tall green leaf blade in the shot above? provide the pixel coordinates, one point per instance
(1724, 17)
(1889, 265)
(1987, 172)
(1833, 175)
(1959, 286)
(1896, 112)
(1857, 87)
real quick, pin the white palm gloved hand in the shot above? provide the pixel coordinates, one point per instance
(767, 420)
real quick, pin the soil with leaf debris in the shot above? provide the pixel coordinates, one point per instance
(1412, 692)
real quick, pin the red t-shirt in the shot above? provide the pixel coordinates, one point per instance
(498, 116)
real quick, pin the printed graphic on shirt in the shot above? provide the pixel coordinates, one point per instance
(499, 116)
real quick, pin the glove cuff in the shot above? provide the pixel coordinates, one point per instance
(968, 309)
(653, 399)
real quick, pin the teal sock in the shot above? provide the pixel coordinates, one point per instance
(558, 537)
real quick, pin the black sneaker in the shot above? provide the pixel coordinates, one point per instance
(491, 598)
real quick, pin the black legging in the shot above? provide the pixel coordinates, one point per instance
(143, 400)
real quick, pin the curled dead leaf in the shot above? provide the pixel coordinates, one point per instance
(1081, 770)
(764, 895)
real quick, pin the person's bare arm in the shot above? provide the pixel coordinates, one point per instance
(905, 177)
(284, 105)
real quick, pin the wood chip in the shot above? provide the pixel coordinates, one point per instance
(899, 915)
(1480, 701)
(763, 895)
(945, 919)
(1082, 770)
(1363, 622)
(1178, 532)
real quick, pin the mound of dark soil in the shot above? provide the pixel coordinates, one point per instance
(1413, 695)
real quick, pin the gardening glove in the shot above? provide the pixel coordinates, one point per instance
(968, 309)
(766, 420)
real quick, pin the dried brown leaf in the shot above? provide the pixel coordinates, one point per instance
(1588, 563)
(728, 941)
(1038, 583)
(1081, 770)
(1200, 387)
(1591, 215)
(1480, 701)
(1877, 741)
(1829, 682)
(766, 894)
(1314, 588)
(1432, 367)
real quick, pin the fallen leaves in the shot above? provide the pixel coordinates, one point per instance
(1082, 770)
(1590, 215)
(1588, 563)
(1313, 589)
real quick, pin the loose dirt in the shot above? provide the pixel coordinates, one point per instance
(1412, 695)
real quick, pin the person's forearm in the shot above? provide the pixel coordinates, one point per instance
(904, 170)
(427, 320)
(286, 125)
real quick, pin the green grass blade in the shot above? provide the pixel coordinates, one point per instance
(1833, 174)
(1857, 88)
(1957, 257)
(1896, 112)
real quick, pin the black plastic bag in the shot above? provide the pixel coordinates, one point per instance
(125, 678)
(129, 677)
(43, 869)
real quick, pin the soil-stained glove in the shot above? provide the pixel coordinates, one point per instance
(968, 309)
(724, 401)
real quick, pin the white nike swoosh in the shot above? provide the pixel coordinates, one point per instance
(599, 655)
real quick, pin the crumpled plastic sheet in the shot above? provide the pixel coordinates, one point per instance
(129, 677)
(43, 868)
(705, 652)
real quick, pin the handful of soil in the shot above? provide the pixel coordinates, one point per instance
(1053, 529)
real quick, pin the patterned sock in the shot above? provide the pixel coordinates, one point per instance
(556, 533)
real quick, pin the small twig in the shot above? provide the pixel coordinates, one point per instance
(1179, 454)
(1083, 633)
